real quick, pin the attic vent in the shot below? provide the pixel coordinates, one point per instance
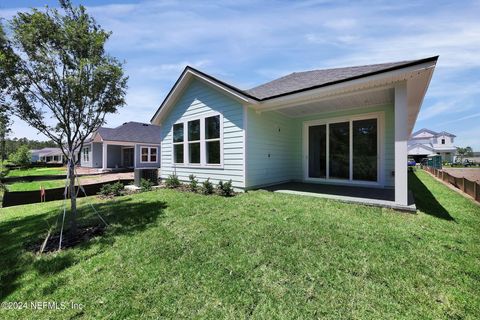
(124, 123)
(145, 125)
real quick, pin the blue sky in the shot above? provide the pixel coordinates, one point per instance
(246, 43)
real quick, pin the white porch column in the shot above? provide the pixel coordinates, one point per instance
(401, 138)
(104, 156)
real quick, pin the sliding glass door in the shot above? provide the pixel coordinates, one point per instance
(344, 150)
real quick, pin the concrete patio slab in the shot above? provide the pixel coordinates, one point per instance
(360, 195)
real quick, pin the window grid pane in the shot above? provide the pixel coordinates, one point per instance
(178, 132)
(194, 130)
(212, 127)
(194, 152)
(339, 157)
(178, 153)
(213, 152)
(365, 149)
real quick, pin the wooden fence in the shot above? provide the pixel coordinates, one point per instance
(16, 198)
(472, 188)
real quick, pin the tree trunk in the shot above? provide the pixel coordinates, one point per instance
(73, 198)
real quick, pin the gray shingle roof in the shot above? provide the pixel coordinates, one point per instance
(298, 81)
(132, 132)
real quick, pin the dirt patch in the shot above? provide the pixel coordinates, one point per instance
(83, 235)
(472, 174)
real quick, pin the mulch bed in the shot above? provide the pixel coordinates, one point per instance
(84, 234)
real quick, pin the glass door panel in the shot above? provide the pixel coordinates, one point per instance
(339, 144)
(365, 150)
(317, 156)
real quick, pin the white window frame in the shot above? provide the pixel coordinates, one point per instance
(149, 154)
(380, 116)
(203, 146)
(86, 154)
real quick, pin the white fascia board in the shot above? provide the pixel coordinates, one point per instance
(182, 83)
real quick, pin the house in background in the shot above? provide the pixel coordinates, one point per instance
(131, 145)
(344, 126)
(425, 142)
(47, 155)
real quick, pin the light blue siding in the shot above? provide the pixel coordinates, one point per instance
(139, 164)
(273, 148)
(114, 156)
(95, 155)
(199, 99)
(275, 145)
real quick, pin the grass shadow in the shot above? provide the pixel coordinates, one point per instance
(124, 216)
(425, 200)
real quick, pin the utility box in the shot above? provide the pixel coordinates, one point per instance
(434, 161)
(147, 174)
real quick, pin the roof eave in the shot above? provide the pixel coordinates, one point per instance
(185, 77)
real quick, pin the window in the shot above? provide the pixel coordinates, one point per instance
(443, 141)
(212, 139)
(194, 142)
(178, 143)
(202, 144)
(86, 154)
(148, 154)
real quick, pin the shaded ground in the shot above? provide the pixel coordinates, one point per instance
(472, 174)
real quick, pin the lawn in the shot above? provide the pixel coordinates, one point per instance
(168, 254)
(48, 184)
(36, 172)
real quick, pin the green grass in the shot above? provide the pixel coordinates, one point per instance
(35, 185)
(36, 172)
(257, 255)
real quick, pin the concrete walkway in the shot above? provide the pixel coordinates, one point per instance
(351, 194)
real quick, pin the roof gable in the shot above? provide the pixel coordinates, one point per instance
(130, 132)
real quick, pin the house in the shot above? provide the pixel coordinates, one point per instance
(48, 155)
(35, 155)
(425, 142)
(343, 126)
(131, 145)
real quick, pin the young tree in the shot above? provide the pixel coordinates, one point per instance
(22, 157)
(4, 114)
(4, 131)
(464, 152)
(61, 80)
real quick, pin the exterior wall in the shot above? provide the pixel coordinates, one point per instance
(114, 156)
(437, 142)
(96, 155)
(273, 144)
(88, 163)
(139, 164)
(199, 99)
(285, 146)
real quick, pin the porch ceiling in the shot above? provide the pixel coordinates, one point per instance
(358, 100)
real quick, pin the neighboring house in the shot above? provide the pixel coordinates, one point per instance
(425, 142)
(35, 155)
(49, 155)
(131, 145)
(338, 126)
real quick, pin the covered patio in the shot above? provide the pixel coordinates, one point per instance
(380, 197)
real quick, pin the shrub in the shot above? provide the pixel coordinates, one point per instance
(193, 186)
(22, 157)
(172, 181)
(146, 185)
(207, 187)
(225, 188)
(111, 189)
